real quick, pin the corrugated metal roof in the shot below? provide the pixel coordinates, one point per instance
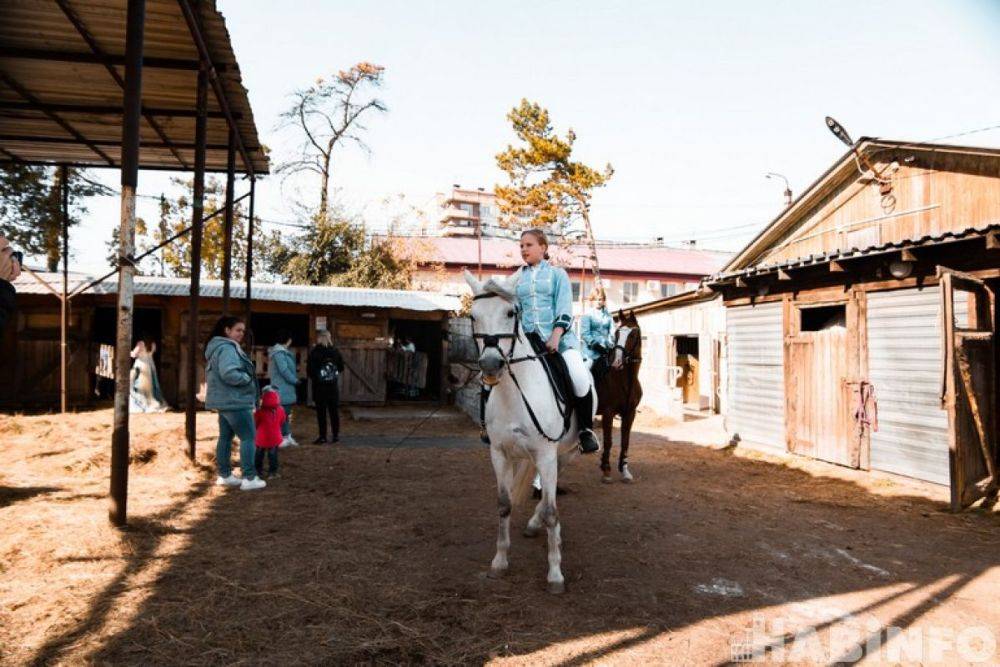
(305, 294)
(45, 54)
(505, 253)
(852, 253)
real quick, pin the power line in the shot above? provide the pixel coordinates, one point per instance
(967, 132)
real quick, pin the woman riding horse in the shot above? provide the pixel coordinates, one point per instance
(595, 327)
(546, 308)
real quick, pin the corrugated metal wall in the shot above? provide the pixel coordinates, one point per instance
(905, 365)
(755, 408)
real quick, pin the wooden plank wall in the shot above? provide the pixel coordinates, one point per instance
(929, 196)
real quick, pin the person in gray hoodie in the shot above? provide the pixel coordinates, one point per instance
(282, 373)
(232, 392)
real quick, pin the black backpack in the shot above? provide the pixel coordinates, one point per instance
(327, 372)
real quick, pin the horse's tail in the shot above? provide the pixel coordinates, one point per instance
(524, 474)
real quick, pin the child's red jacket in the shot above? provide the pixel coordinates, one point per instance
(268, 420)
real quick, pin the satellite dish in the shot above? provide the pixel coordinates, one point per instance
(839, 131)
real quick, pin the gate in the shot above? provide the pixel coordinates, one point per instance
(364, 377)
(968, 388)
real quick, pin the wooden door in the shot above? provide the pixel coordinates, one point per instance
(818, 384)
(364, 377)
(968, 388)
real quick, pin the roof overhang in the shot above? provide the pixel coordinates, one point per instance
(61, 98)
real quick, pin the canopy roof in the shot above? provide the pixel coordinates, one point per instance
(61, 98)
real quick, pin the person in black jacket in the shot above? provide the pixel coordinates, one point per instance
(10, 269)
(324, 367)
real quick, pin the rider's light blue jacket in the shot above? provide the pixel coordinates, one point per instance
(595, 328)
(546, 302)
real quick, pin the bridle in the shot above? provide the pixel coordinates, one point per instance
(628, 355)
(493, 340)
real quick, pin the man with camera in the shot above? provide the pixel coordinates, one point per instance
(10, 269)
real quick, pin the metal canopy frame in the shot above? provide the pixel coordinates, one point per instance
(61, 132)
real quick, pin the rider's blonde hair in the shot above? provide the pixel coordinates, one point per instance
(596, 295)
(540, 238)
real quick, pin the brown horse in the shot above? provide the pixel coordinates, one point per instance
(619, 391)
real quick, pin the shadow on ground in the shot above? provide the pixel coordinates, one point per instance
(348, 558)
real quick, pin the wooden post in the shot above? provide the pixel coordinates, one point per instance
(249, 273)
(130, 178)
(197, 206)
(227, 222)
(64, 302)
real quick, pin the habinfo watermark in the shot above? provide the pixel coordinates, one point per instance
(849, 638)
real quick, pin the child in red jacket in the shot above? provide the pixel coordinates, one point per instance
(268, 419)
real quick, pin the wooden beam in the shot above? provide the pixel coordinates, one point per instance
(740, 282)
(105, 109)
(992, 240)
(784, 275)
(836, 267)
(135, 25)
(112, 143)
(197, 209)
(99, 59)
(907, 255)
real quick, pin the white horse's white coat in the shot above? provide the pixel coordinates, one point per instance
(517, 449)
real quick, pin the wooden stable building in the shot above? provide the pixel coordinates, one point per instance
(860, 322)
(362, 321)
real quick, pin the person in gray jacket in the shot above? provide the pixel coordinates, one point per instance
(284, 378)
(232, 392)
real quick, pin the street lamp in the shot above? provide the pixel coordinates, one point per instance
(788, 188)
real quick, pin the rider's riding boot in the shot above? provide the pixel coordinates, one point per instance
(585, 418)
(484, 394)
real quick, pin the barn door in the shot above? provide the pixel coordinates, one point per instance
(818, 393)
(364, 377)
(968, 388)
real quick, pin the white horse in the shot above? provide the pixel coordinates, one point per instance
(523, 420)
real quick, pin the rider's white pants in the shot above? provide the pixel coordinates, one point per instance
(578, 372)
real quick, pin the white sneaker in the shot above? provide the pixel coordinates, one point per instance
(289, 441)
(252, 484)
(232, 480)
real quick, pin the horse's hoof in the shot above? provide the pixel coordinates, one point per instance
(531, 532)
(496, 573)
(607, 479)
(627, 476)
(557, 587)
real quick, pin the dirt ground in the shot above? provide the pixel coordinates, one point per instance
(352, 559)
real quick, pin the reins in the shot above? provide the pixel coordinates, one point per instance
(493, 340)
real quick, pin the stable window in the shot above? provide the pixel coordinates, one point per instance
(822, 318)
(575, 286)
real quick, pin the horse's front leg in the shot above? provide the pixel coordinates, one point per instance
(608, 430)
(627, 419)
(504, 470)
(548, 469)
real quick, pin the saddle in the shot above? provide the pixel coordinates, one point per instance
(558, 374)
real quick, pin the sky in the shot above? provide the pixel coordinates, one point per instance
(691, 102)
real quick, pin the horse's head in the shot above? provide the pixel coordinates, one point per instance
(628, 340)
(494, 323)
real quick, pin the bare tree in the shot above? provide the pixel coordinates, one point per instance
(328, 114)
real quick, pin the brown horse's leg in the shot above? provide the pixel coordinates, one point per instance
(627, 420)
(608, 429)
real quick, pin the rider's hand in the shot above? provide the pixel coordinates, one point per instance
(552, 345)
